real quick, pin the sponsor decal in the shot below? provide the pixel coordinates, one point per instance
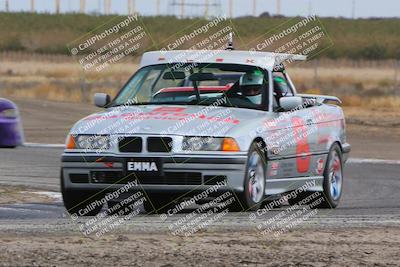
(323, 139)
(274, 165)
(320, 166)
(274, 169)
(167, 113)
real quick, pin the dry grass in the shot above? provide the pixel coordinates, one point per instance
(367, 78)
(66, 81)
(62, 70)
(53, 93)
(365, 101)
(392, 102)
(385, 101)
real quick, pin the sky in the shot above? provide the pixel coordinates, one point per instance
(323, 8)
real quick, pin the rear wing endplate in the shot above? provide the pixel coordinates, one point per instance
(321, 99)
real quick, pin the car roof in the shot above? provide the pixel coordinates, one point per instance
(265, 60)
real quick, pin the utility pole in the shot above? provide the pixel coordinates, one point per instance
(107, 7)
(32, 6)
(182, 9)
(396, 71)
(278, 7)
(130, 7)
(82, 6)
(254, 8)
(231, 8)
(353, 9)
(158, 8)
(206, 9)
(7, 6)
(57, 6)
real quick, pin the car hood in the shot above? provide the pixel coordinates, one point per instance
(170, 120)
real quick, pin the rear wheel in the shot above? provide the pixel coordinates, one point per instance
(332, 183)
(333, 179)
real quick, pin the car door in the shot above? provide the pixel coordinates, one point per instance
(293, 136)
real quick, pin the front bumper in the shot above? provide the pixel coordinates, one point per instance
(181, 173)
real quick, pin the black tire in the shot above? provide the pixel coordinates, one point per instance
(326, 199)
(252, 197)
(77, 202)
(331, 200)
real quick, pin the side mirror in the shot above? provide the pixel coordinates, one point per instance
(288, 103)
(101, 100)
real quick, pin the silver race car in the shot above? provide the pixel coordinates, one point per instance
(230, 121)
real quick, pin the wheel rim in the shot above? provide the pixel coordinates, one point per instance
(256, 177)
(335, 176)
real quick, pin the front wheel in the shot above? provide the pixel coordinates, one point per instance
(254, 181)
(81, 203)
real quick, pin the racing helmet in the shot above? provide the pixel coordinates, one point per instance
(251, 83)
(280, 86)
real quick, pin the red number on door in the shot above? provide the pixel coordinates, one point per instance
(302, 147)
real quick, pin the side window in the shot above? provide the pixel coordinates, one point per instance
(281, 85)
(281, 89)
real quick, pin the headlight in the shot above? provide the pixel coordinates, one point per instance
(194, 143)
(88, 142)
(9, 113)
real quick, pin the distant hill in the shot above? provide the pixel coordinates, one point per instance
(48, 33)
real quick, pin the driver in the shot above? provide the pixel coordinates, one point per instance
(251, 86)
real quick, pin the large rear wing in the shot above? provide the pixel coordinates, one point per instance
(292, 57)
(280, 59)
(321, 99)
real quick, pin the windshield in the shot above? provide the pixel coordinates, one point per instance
(204, 84)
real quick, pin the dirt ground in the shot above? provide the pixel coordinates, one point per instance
(373, 133)
(304, 247)
(16, 194)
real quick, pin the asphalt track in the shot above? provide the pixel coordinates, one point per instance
(371, 196)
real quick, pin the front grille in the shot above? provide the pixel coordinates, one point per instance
(159, 144)
(213, 180)
(106, 177)
(169, 178)
(79, 178)
(173, 178)
(130, 144)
